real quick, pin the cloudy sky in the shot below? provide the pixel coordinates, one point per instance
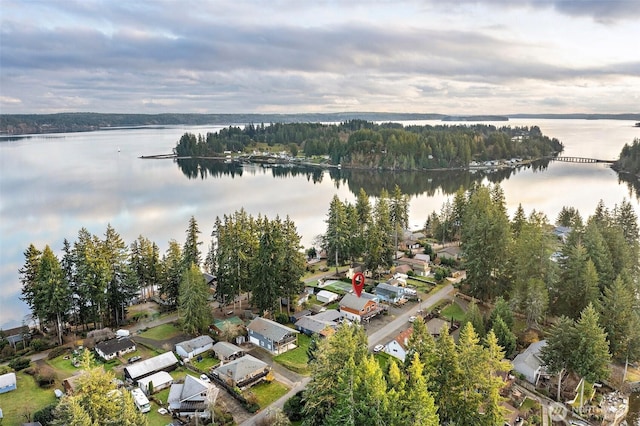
(443, 56)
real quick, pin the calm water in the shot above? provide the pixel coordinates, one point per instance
(51, 186)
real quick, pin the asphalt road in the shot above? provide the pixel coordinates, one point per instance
(382, 335)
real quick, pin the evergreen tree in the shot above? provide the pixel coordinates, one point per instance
(506, 338)
(336, 237)
(591, 355)
(195, 315)
(474, 316)
(29, 279)
(419, 407)
(55, 294)
(617, 317)
(501, 309)
(191, 251)
(558, 353)
(172, 273)
(422, 343)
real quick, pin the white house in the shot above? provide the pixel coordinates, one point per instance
(8, 382)
(529, 363)
(397, 347)
(110, 349)
(325, 296)
(160, 380)
(194, 347)
(192, 398)
(163, 362)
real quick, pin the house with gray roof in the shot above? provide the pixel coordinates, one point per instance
(226, 351)
(163, 362)
(110, 349)
(194, 347)
(192, 398)
(323, 323)
(17, 335)
(160, 380)
(529, 363)
(360, 308)
(269, 335)
(390, 293)
(243, 372)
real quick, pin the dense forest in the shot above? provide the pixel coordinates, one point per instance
(388, 146)
(20, 124)
(629, 160)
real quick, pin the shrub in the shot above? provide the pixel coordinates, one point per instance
(293, 407)
(7, 352)
(57, 351)
(410, 273)
(4, 369)
(45, 415)
(282, 318)
(32, 371)
(39, 345)
(45, 378)
(19, 363)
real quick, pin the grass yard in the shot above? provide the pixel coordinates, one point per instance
(62, 366)
(206, 363)
(453, 310)
(156, 419)
(296, 360)
(27, 398)
(161, 332)
(266, 393)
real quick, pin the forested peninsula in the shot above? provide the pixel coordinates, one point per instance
(386, 146)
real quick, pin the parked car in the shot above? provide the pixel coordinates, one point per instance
(134, 359)
(205, 378)
(378, 348)
(412, 318)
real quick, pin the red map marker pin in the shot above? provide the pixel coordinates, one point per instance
(358, 283)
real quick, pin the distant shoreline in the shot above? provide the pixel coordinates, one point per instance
(31, 124)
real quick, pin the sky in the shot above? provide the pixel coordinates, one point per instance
(292, 56)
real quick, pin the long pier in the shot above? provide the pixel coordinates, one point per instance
(582, 160)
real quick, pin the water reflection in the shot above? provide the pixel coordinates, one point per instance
(427, 182)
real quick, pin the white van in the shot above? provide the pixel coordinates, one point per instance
(141, 401)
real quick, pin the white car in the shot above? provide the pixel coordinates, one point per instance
(205, 378)
(378, 348)
(412, 318)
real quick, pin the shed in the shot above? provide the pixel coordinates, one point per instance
(160, 380)
(194, 347)
(227, 351)
(163, 362)
(8, 382)
(326, 296)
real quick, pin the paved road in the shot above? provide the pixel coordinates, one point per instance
(379, 336)
(392, 329)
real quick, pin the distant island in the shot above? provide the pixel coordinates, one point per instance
(360, 144)
(22, 124)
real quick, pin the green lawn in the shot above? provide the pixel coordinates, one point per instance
(63, 367)
(453, 310)
(161, 332)
(266, 393)
(27, 398)
(296, 360)
(206, 363)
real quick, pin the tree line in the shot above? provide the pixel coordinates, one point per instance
(595, 264)
(389, 146)
(629, 159)
(441, 381)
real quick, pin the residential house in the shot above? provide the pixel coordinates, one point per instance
(419, 266)
(226, 351)
(231, 325)
(390, 293)
(163, 362)
(434, 326)
(403, 270)
(155, 382)
(8, 382)
(194, 347)
(297, 315)
(529, 363)
(269, 335)
(192, 398)
(17, 335)
(323, 323)
(451, 252)
(243, 372)
(110, 349)
(397, 347)
(326, 296)
(360, 308)
(562, 232)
